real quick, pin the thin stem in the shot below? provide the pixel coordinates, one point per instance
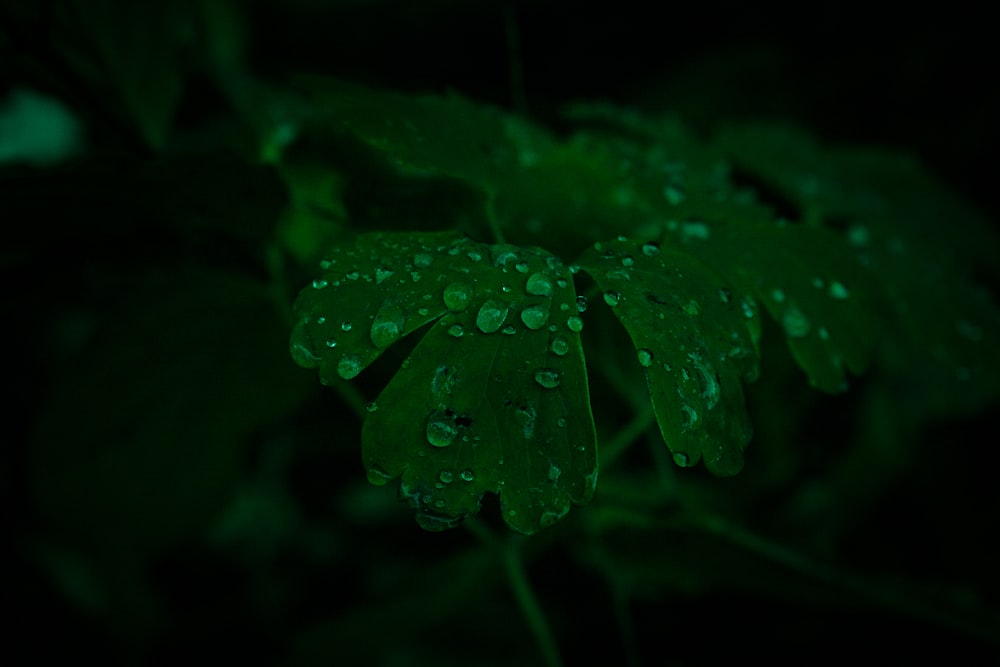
(640, 423)
(532, 610)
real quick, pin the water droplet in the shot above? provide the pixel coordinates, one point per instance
(778, 295)
(382, 274)
(491, 316)
(560, 346)
(325, 264)
(377, 476)
(522, 267)
(387, 326)
(320, 320)
(681, 459)
(689, 417)
(331, 342)
(651, 249)
(561, 422)
(371, 406)
(456, 330)
(349, 366)
(725, 295)
(695, 230)
(422, 260)
(858, 235)
(674, 195)
(692, 308)
(645, 358)
(837, 290)
(319, 284)
(346, 325)
(561, 282)
(554, 472)
(467, 475)
(547, 377)
(509, 330)
(574, 324)
(353, 275)
(749, 309)
(795, 322)
(535, 317)
(446, 476)
(612, 298)
(457, 297)
(441, 430)
(474, 255)
(581, 304)
(539, 285)
(627, 261)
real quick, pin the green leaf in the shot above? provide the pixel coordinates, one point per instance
(696, 340)
(493, 399)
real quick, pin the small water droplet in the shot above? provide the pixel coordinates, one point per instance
(441, 429)
(651, 249)
(491, 316)
(331, 342)
(645, 358)
(387, 326)
(535, 317)
(574, 324)
(319, 284)
(320, 320)
(422, 260)
(681, 459)
(457, 296)
(349, 366)
(794, 321)
(509, 330)
(627, 261)
(581, 304)
(554, 472)
(539, 285)
(547, 378)
(446, 476)
(382, 274)
(468, 475)
(778, 295)
(674, 195)
(837, 290)
(346, 325)
(612, 298)
(522, 267)
(692, 308)
(353, 275)
(561, 422)
(560, 346)
(561, 282)
(456, 330)
(474, 255)
(725, 295)
(371, 406)
(689, 417)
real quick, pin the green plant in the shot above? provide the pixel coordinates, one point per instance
(183, 208)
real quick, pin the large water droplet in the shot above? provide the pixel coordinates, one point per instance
(491, 316)
(377, 476)
(574, 324)
(535, 317)
(349, 366)
(441, 429)
(547, 378)
(539, 285)
(560, 346)
(388, 325)
(457, 297)
(794, 321)
(612, 298)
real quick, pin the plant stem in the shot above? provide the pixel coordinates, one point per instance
(640, 423)
(514, 566)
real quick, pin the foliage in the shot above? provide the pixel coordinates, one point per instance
(762, 358)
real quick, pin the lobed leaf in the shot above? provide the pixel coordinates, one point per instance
(494, 393)
(696, 340)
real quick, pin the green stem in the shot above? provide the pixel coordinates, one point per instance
(533, 614)
(640, 423)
